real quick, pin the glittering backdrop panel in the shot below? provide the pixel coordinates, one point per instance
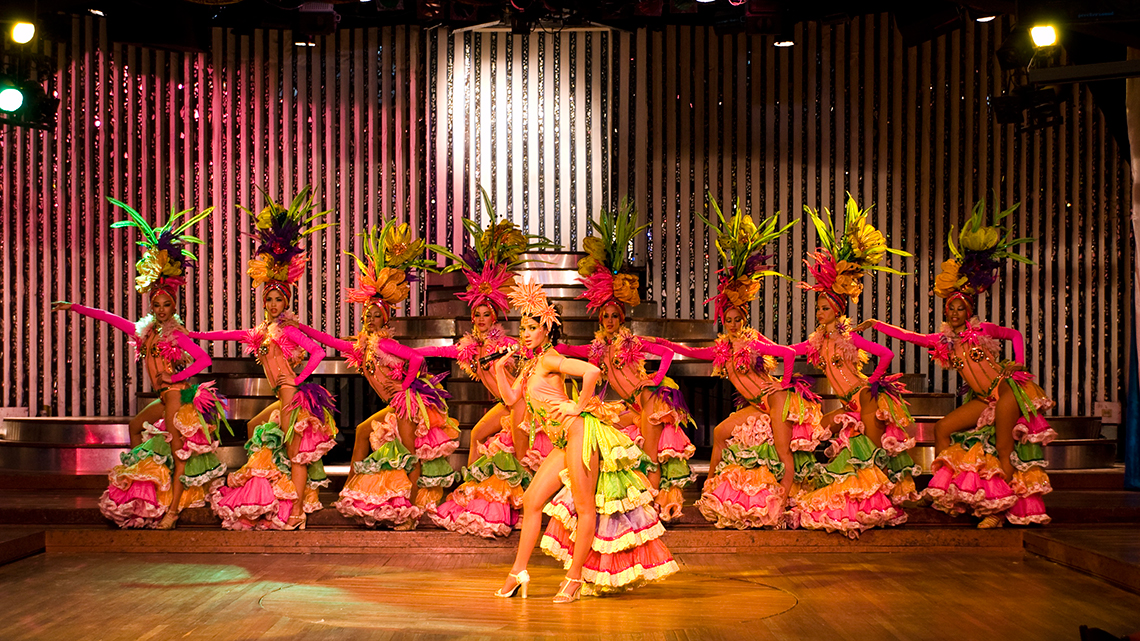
(409, 123)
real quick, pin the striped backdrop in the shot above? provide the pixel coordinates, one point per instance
(409, 123)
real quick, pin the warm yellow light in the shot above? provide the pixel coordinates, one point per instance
(23, 32)
(987, 18)
(1043, 36)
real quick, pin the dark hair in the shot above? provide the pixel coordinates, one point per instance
(555, 332)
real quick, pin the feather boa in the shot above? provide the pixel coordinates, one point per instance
(471, 344)
(741, 353)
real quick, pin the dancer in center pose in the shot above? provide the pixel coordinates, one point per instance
(853, 492)
(602, 526)
(278, 484)
(654, 406)
(176, 466)
(1002, 414)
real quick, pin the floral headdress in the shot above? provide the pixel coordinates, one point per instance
(386, 265)
(602, 269)
(739, 242)
(279, 261)
(165, 256)
(977, 255)
(841, 261)
(530, 300)
(490, 262)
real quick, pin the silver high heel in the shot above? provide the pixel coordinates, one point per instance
(522, 579)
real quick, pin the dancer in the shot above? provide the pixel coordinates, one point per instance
(654, 407)
(852, 493)
(1002, 412)
(766, 445)
(612, 542)
(182, 424)
(277, 486)
(488, 501)
(411, 438)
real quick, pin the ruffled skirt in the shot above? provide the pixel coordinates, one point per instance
(488, 501)
(380, 490)
(744, 491)
(666, 407)
(627, 550)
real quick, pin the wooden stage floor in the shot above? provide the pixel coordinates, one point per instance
(857, 596)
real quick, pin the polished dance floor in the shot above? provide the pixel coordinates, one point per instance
(859, 595)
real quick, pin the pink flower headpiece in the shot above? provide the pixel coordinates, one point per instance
(530, 300)
(487, 287)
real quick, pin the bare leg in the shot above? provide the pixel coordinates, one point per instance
(873, 428)
(583, 485)
(261, 418)
(172, 401)
(1008, 412)
(723, 432)
(830, 420)
(488, 426)
(782, 439)
(149, 414)
(962, 418)
(651, 434)
(362, 445)
(298, 472)
(545, 483)
(408, 438)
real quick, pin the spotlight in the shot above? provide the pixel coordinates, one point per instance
(23, 32)
(1043, 36)
(11, 99)
(784, 43)
(304, 42)
(987, 18)
(97, 12)
(24, 103)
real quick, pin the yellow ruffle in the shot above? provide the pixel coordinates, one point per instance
(629, 577)
(861, 485)
(429, 498)
(750, 482)
(382, 486)
(628, 540)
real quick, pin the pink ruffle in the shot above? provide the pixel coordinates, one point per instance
(538, 452)
(194, 443)
(674, 444)
(480, 517)
(896, 441)
(806, 437)
(314, 445)
(397, 510)
(135, 507)
(1028, 510)
(255, 500)
(501, 442)
(631, 430)
(969, 491)
(1034, 430)
(728, 507)
(433, 444)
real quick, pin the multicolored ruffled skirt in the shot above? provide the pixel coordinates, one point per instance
(892, 411)
(424, 404)
(380, 490)
(627, 549)
(666, 407)
(968, 475)
(488, 501)
(851, 493)
(140, 488)
(260, 495)
(744, 491)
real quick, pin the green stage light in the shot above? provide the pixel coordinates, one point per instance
(11, 99)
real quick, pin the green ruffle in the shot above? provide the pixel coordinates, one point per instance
(155, 446)
(676, 473)
(762, 455)
(899, 466)
(269, 435)
(502, 465)
(437, 473)
(1028, 454)
(618, 485)
(969, 438)
(388, 457)
(805, 465)
(201, 469)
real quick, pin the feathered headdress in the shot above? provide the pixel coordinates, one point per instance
(386, 265)
(843, 258)
(490, 262)
(739, 242)
(602, 269)
(279, 261)
(530, 300)
(978, 253)
(165, 255)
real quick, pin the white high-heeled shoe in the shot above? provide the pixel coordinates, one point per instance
(522, 579)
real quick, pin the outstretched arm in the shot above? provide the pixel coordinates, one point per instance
(447, 351)
(1007, 334)
(118, 322)
(573, 351)
(219, 335)
(316, 351)
(339, 344)
(923, 340)
(414, 359)
(201, 358)
(695, 353)
(787, 354)
(666, 355)
(885, 355)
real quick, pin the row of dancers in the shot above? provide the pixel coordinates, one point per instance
(539, 450)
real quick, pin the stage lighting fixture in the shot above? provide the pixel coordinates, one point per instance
(986, 18)
(11, 99)
(1043, 36)
(97, 12)
(317, 18)
(784, 43)
(23, 32)
(1016, 50)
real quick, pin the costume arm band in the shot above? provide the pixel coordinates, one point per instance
(220, 335)
(1007, 334)
(414, 359)
(666, 355)
(885, 355)
(316, 352)
(201, 358)
(695, 353)
(581, 352)
(447, 351)
(118, 322)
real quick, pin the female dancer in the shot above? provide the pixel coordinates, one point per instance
(141, 492)
(654, 407)
(612, 542)
(390, 484)
(487, 503)
(277, 485)
(851, 493)
(761, 449)
(1002, 412)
